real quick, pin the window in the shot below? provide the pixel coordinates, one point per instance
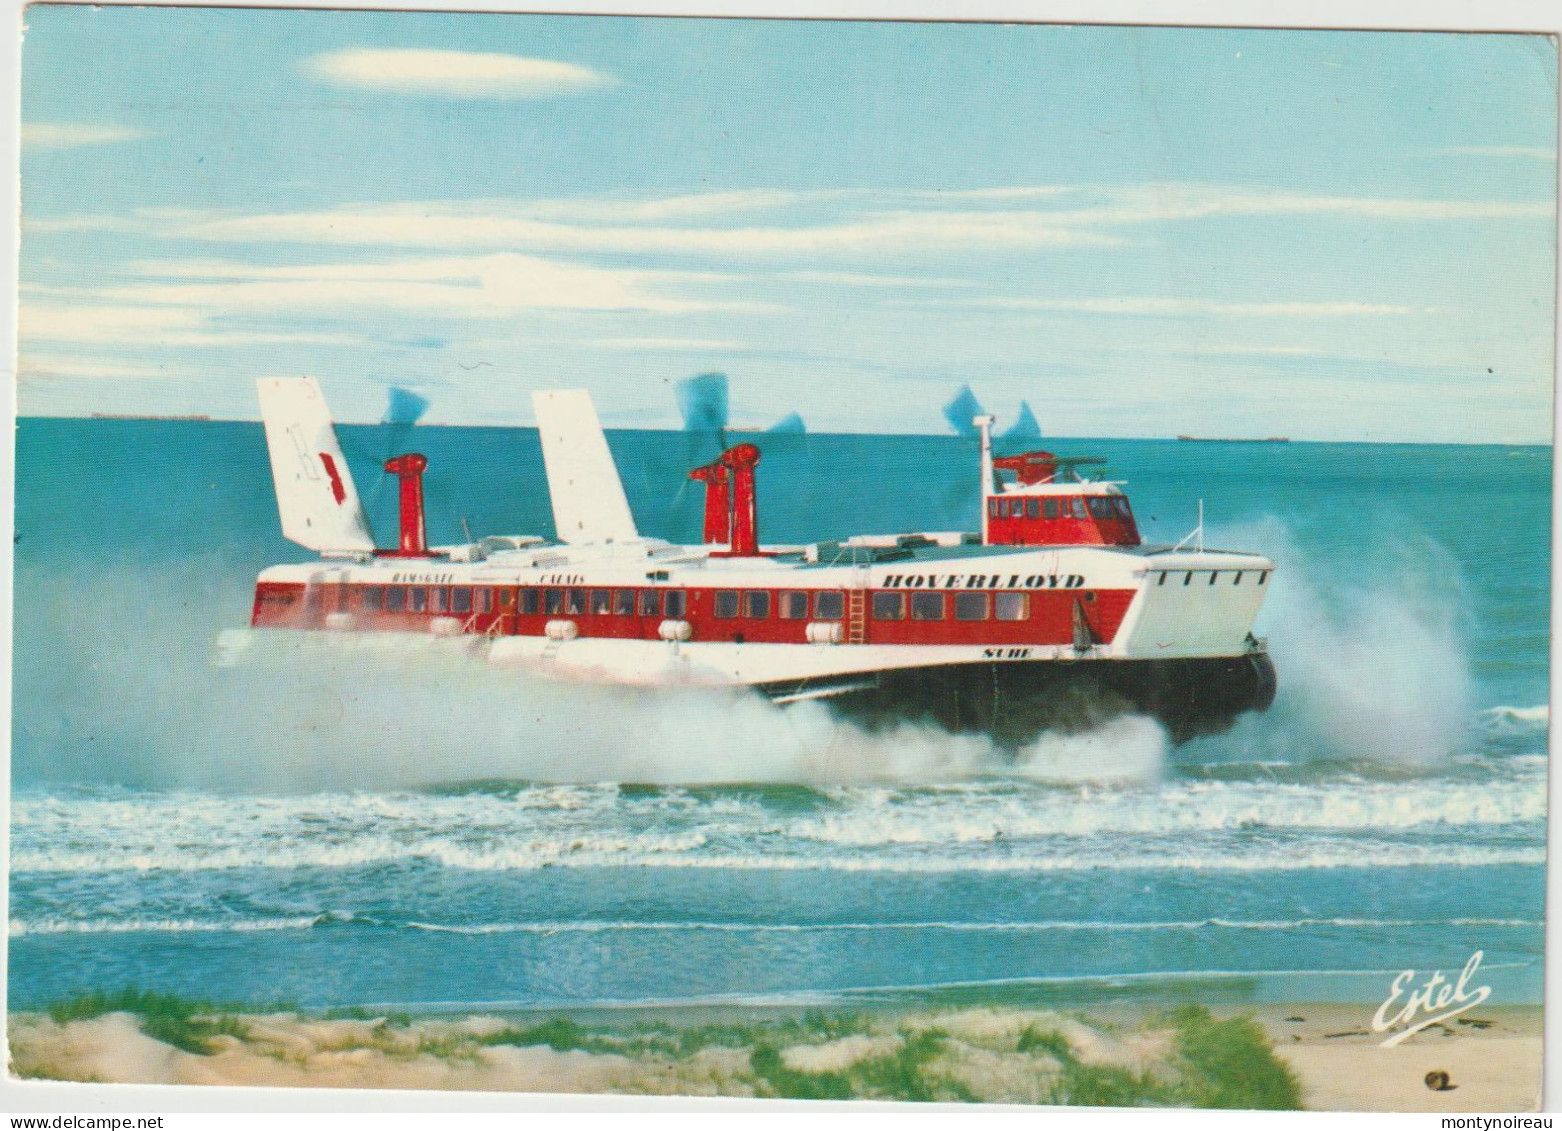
(970, 606)
(623, 602)
(889, 606)
(372, 597)
(1121, 504)
(574, 601)
(1011, 606)
(461, 599)
(601, 602)
(650, 602)
(726, 603)
(1238, 580)
(507, 598)
(1033, 508)
(794, 606)
(437, 601)
(1077, 507)
(1049, 508)
(485, 599)
(529, 601)
(676, 600)
(829, 606)
(1100, 506)
(1188, 580)
(553, 601)
(395, 598)
(1213, 574)
(1162, 580)
(1263, 577)
(419, 598)
(993, 506)
(756, 604)
(927, 606)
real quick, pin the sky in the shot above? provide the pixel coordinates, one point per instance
(1139, 231)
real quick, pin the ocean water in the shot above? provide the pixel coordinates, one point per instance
(333, 824)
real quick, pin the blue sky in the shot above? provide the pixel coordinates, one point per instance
(1140, 231)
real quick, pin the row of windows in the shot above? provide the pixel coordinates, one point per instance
(1214, 575)
(1076, 506)
(755, 604)
(752, 604)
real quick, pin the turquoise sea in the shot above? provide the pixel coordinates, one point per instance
(336, 826)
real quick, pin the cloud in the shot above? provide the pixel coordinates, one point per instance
(70, 135)
(88, 323)
(499, 225)
(669, 345)
(453, 74)
(33, 366)
(482, 286)
(1183, 307)
(840, 222)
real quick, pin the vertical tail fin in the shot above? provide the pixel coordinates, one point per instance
(588, 497)
(315, 492)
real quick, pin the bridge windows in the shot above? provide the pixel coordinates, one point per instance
(485, 599)
(437, 599)
(756, 604)
(419, 602)
(676, 600)
(575, 602)
(927, 606)
(829, 606)
(651, 603)
(601, 602)
(1049, 508)
(1011, 606)
(371, 597)
(726, 603)
(623, 602)
(1263, 576)
(1100, 506)
(1076, 507)
(889, 606)
(970, 606)
(794, 606)
(552, 602)
(395, 598)
(461, 599)
(1033, 507)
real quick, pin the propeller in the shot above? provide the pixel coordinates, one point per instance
(403, 410)
(960, 411)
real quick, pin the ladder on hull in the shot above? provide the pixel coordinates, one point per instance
(857, 607)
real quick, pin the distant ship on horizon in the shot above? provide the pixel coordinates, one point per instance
(1237, 439)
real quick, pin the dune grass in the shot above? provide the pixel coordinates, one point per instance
(1207, 1062)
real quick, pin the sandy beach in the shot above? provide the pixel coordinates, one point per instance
(1321, 1057)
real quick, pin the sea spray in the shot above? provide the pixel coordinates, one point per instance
(1370, 653)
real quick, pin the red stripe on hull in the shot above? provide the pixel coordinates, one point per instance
(499, 610)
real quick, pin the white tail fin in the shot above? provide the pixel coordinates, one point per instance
(588, 497)
(315, 492)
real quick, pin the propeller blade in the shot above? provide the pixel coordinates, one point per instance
(405, 407)
(959, 412)
(703, 402)
(789, 425)
(1024, 426)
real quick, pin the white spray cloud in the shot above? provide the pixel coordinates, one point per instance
(1370, 653)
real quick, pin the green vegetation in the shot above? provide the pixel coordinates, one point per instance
(1231, 1064)
(182, 1022)
(1193, 1059)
